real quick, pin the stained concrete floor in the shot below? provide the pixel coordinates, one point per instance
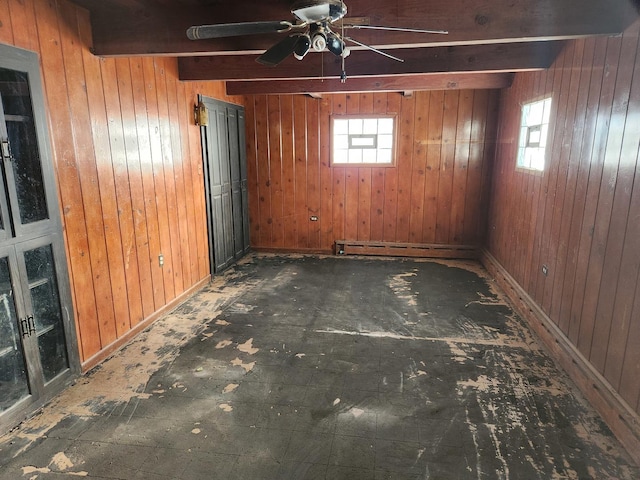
(303, 367)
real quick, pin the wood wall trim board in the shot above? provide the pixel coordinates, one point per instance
(462, 59)
(444, 81)
(109, 350)
(623, 421)
(401, 249)
(293, 250)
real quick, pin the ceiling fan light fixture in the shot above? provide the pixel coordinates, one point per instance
(335, 44)
(319, 42)
(302, 47)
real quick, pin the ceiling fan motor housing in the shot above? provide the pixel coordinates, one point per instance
(313, 11)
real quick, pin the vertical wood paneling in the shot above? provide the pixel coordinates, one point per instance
(558, 111)
(561, 145)
(106, 181)
(128, 166)
(404, 167)
(313, 169)
(140, 241)
(573, 142)
(148, 185)
(300, 211)
(570, 288)
(476, 161)
(461, 165)
(434, 152)
(584, 205)
(339, 107)
(326, 179)
(164, 236)
(377, 179)
(201, 269)
(275, 172)
(419, 166)
(351, 181)
(186, 181)
(600, 196)
(447, 162)
(252, 169)
(68, 176)
(364, 180)
(614, 199)
(23, 24)
(263, 159)
(436, 192)
(288, 173)
(179, 164)
(175, 260)
(87, 172)
(118, 165)
(6, 30)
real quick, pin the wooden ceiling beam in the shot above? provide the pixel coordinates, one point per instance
(397, 83)
(509, 57)
(144, 27)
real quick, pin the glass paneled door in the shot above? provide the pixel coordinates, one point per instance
(14, 386)
(37, 342)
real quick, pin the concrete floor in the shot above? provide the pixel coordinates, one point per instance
(294, 367)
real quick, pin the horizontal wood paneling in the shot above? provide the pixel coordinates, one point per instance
(432, 194)
(581, 217)
(129, 171)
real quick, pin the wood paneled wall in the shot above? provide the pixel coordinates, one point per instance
(581, 217)
(129, 171)
(437, 192)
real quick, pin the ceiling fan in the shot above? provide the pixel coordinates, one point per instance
(312, 31)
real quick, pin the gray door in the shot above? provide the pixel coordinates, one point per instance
(225, 183)
(38, 354)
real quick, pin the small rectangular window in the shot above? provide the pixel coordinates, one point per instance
(534, 127)
(363, 140)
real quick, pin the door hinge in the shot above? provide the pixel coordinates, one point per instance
(27, 326)
(6, 150)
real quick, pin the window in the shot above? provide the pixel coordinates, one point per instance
(534, 128)
(363, 140)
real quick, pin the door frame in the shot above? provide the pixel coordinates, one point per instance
(206, 174)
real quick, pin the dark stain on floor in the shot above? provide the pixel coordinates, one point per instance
(304, 367)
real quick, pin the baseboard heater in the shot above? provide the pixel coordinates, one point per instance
(392, 249)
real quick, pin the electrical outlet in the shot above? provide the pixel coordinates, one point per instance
(161, 260)
(313, 218)
(545, 270)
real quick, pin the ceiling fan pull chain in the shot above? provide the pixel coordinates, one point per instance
(343, 75)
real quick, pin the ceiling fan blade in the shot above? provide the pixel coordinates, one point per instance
(373, 49)
(394, 29)
(236, 29)
(280, 51)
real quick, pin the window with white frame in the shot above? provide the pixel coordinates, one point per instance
(534, 129)
(363, 140)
